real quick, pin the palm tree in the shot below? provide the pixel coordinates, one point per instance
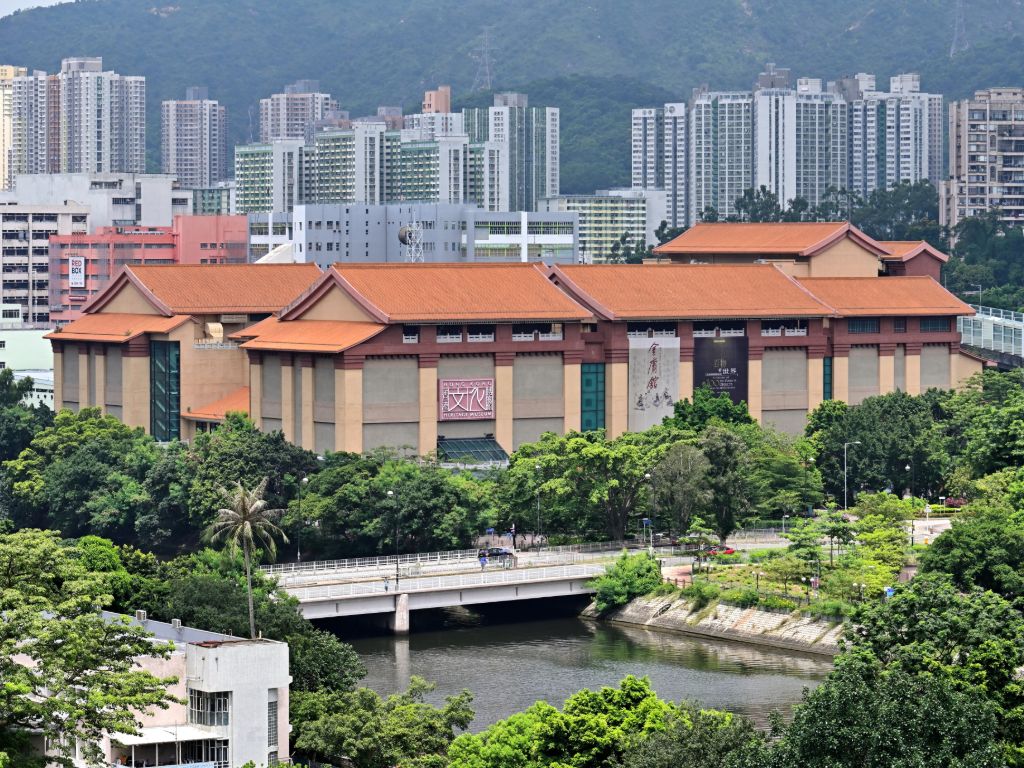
(247, 522)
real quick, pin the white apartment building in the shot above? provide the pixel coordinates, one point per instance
(232, 706)
(7, 75)
(112, 199)
(986, 157)
(721, 150)
(647, 157)
(194, 143)
(604, 218)
(25, 252)
(894, 136)
(81, 120)
(432, 124)
(289, 115)
(677, 161)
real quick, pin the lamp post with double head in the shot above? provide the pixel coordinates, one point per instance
(302, 520)
(536, 531)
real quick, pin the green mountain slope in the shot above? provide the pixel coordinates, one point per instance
(389, 51)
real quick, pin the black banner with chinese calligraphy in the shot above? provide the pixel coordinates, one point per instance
(721, 364)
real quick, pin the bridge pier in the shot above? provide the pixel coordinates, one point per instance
(398, 622)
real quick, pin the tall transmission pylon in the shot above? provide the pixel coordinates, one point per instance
(959, 44)
(484, 63)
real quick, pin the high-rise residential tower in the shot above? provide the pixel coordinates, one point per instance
(986, 157)
(677, 154)
(289, 115)
(7, 75)
(194, 144)
(531, 135)
(83, 120)
(648, 148)
(721, 150)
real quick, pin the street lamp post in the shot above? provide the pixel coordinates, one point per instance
(391, 496)
(757, 581)
(302, 521)
(910, 468)
(536, 531)
(846, 467)
(784, 519)
(654, 504)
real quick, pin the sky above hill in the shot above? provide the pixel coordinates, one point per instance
(10, 6)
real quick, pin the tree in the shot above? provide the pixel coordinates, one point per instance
(695, 738)
(707, 407)
(867, 715)
(975, 639)
(983, 548)
(321, 662)
(679, 485)
(67, 671)
(361, 729)
(728, 478)
(627, 578)
(247, 522)
(591, 730)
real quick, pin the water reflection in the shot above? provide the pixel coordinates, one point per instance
(509, 666)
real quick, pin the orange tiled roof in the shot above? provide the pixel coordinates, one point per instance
(330, 336)
(802, 238)
(904, 250)
(218, 409)
(197, 289)
(868, 296)
(624, 291)
(116, 328)
(398, 293)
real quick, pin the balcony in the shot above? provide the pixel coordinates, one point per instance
(478, 337)
(410, 338)
(449, 337)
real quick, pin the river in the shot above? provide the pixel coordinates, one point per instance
(509, 666)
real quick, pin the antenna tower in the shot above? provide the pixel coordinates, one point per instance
(485, 63)
(959, 44)
(411, 236)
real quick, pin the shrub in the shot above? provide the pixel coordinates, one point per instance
(744, 597)
(629, 577)
(775, 603)
(829, 609)
(700, 593)
(735, 557)
(664, 589)
(760, 555)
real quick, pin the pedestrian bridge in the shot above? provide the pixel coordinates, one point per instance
(360, 598)
(999, 333)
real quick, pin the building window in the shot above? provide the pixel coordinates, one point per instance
(3, 344)
(826, 378)
(272, 723)
(272, 758)
(209, 708)
(934, 325)
(592, 396)
(862, 325)
(899, 325)
(164, 390)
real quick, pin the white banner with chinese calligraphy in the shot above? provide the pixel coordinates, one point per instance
(653, 380)
(465, 399)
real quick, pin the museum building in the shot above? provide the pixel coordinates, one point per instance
(473, 360)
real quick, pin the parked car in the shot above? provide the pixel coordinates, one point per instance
(721, 551)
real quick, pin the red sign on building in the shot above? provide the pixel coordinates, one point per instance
(465, 399)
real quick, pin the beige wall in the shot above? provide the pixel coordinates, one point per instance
(207, 375)
(754, 389)
(863, 374)
(348, 410)
(128, 300)
(900, 368)
(616, 398)
(935, 366)
(504, 407)
(270, 389)
(391, 391)
(886, 374)
(844, 259)
(135, 391)
(784, 380)
(400, 437)
(841, 378)
(572, 396)
(428, 411)
(912, 363)
(816, 382)
(962, 367)
(337, 305)
(686, 380)
(538, 391)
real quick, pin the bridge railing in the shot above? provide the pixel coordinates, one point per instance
(454, 581)
(314, 566)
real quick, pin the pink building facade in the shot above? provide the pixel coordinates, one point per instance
(82, 265)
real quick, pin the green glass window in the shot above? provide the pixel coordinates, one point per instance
(592, 397)
(164, 390)
(826, 378)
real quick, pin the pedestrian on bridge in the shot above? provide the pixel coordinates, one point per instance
(387, 582)
(483, 560)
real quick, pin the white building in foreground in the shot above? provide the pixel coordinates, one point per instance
(235, 703)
